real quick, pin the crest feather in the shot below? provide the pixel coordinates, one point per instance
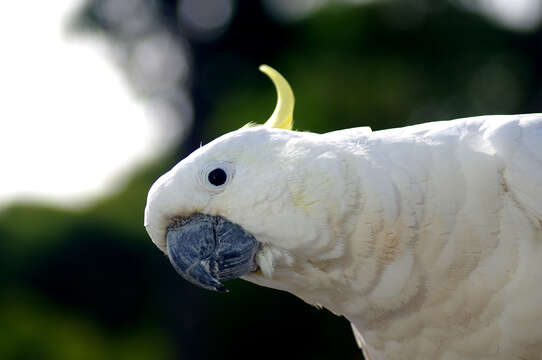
(283, 115)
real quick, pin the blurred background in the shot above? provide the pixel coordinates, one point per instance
(100, 97)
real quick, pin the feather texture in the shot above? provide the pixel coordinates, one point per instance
(427, 238)
(454, 237)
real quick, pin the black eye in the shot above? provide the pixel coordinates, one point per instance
(217, 177)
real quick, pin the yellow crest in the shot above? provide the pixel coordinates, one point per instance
(283, 115)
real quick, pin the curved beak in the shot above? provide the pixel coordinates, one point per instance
(206, 250)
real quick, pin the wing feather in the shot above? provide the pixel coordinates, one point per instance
(518, 142)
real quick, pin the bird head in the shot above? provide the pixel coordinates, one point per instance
(254, 203)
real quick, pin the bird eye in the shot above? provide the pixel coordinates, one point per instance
(217, 177)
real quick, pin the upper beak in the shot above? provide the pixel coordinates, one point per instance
(206, 250)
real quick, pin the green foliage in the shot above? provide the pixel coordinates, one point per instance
(385, 66)
(59, 269)
(37, 330)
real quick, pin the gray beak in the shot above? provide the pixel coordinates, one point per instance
(206, 250)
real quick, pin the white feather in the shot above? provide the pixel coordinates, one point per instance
(427, 238)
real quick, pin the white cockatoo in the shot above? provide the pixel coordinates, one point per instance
(427, 238)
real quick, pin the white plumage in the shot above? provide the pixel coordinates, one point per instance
(427, 238)
(450, 241)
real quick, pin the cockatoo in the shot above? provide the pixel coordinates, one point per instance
(427, 238)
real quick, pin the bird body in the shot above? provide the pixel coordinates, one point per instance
(427, 238)
(437, 252)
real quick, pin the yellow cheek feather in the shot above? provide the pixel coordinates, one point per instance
(302, 200)
(283, 116)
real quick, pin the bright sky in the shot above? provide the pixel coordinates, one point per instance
(70, 128)
(515, 14)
